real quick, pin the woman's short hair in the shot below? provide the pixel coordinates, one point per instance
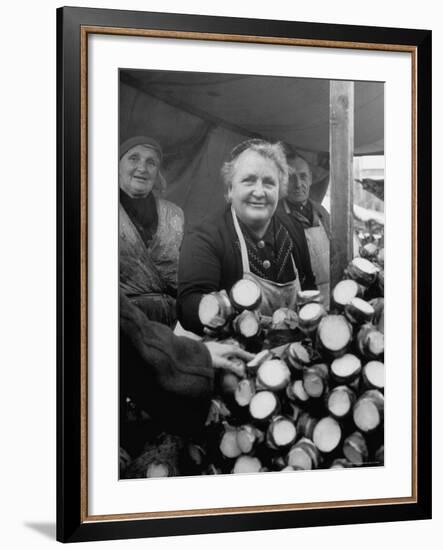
(272, 151)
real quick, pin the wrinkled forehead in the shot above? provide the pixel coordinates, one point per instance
(300, 165)
(143, 151)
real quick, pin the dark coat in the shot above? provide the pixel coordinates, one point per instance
(169, 377)
(318, 209)
(210, 261)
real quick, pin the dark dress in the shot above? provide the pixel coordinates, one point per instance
(210, 260)
(169, 377)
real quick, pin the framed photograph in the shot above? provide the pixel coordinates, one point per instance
(238, 201)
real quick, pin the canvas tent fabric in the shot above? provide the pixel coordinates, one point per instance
(199, 117)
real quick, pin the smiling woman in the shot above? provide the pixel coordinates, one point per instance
(256, 178)
(151, 231)
(138, 171)
(249, 239)
(254, 191)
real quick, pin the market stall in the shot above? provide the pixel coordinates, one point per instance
(313, 395)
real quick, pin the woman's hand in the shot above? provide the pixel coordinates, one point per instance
(225, 356)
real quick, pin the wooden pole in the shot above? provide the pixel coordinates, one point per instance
(341, 147)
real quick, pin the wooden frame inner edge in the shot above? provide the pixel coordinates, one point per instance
(84, 32)
(84, 276)
(188, 35)
(414, 251)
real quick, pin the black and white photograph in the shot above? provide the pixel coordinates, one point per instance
(195, 219)
(251, 273)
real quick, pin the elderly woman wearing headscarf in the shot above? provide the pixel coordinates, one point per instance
(150, 231)
(249, 239)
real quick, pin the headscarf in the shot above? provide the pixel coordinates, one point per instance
(140, 140)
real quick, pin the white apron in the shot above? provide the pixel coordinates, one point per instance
(274, 295)
(318, 245)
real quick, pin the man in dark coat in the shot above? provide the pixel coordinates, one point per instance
(313, 217)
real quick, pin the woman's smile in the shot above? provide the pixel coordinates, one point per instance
(138, 171)
(254, 190)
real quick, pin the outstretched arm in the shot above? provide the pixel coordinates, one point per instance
(171, 377)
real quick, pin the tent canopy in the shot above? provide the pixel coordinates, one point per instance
(199, 117)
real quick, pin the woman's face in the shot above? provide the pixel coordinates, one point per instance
(254, 189)
(138, 171)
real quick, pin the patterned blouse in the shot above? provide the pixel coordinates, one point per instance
(270, 257)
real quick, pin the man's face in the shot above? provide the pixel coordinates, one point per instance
(138, 171)
(254, 190)
(300, 180)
